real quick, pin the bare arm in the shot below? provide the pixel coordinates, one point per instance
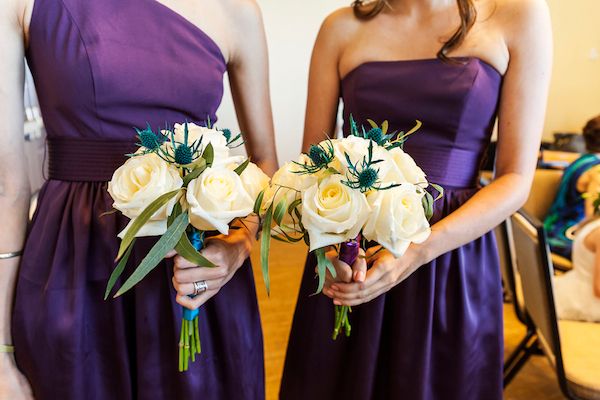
(14, 185)
(323, 84)
(521, 118)
(249, 78)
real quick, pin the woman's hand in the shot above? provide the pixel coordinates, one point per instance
(13, 385)
(385, 273)
(345, 273)
(227, 252)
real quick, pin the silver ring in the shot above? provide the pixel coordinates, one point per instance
(199, 287)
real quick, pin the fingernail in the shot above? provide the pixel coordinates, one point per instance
(334, 287)
(337, 302)
(361, 276)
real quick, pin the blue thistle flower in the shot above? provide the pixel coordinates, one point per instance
(318, 156)
(149, 139)
(376, 135)
(184, 154)
(362, 175)
(368, 177)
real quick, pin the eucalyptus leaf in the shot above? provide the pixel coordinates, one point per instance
(196, 172)
(428, 205)
(144, 217)
(165, 244)
(118, 271)
(323, 264)
(177, 210)
(385, 126)
(265, 245)
(242, 167)
(372, 123)
(280, 210)
(258, 202)
(293, 205)
(439, 189)
(209, 154)
(186, 250)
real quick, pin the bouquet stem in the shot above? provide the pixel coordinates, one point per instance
(189, 340)
(348, 254)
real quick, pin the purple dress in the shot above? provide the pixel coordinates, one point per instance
(101, 68)
(437, 335)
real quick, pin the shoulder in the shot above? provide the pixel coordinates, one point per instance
(341, 21)
(522, 17)
(245, 14)
(338, 29)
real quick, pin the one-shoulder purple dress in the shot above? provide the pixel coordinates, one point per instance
(437, 335)
(101, 68)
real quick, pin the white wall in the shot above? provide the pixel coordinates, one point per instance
(292, 27)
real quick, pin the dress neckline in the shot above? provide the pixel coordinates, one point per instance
(466, 59)
(169, 11)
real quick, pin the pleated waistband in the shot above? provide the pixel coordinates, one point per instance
(86, 160)
(448, 167)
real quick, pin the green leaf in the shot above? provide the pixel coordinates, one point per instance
(195, 173)
(280, 210)
(333, 171)
(439, 189)
(323, 264)
(282, 235)
(177, 210)
(385, 126)
(242, 167)
(265, 245)
(144, 217)
(118, 271)
(294, 205)
(372, 123)
(186, 250)
(209, 154)
(258, 202)
(166, 243)
(428, 205)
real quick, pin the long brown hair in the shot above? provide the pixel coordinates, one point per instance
(466, 9)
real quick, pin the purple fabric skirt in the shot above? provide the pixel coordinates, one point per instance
(71, 344)
(435, 336)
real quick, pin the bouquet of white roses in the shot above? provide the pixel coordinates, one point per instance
(346, 193)
(181, 183)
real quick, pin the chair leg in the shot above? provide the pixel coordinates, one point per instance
(526, 348)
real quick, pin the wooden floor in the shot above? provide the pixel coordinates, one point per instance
(536, 380)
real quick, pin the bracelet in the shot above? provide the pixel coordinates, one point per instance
(5, 348)
(6, 256)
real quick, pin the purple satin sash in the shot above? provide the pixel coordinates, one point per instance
(86, 160)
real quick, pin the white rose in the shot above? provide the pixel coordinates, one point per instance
(140, 181)
(404, 169)
(216, 198)
(397, 218)
(207, 135)
(357, 149)
(332, 212)
(253, 178)
(287, 184)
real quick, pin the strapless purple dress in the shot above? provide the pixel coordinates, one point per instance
(437, 335)
(101, 68)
